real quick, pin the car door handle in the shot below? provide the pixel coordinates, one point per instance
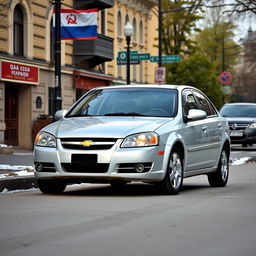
(219, 126)
(204, 128)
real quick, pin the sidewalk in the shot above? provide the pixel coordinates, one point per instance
(16, 170)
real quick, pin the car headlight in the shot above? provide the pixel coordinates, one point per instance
(140, 140)
(44, 139)
(252, 125)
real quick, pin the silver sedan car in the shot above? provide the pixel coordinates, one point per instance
(156, 134)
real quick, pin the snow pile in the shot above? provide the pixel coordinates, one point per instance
(239, 161)
(16, 171)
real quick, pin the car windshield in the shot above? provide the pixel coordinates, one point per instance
(127, 102)
(238, 111)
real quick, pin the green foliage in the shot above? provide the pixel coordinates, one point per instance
(216, 41)
(198, 71)
(179, 21)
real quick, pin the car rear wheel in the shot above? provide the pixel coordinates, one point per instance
(173, 180)
(220, 177)
(51, 186)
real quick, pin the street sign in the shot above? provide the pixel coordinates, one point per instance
(122, 55)
(166, 59)
(159, 75)
(225, 77)
(124, 62)
(133, 56)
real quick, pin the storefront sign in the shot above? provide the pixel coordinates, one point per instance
(20, 73)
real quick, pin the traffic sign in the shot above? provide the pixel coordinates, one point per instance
(159, 75)
(225, 77)
(134, 56)
(166, 59)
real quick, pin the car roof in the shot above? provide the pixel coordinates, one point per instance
(165, 86)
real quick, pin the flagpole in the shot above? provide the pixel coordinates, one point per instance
(57, 91)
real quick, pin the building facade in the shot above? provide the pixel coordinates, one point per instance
(27, 59)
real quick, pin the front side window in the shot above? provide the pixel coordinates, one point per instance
(189, 102)
(18, 32)
(127, 102)
(204, 104)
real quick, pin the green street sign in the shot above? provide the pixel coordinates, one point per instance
(166, 59)
(122, 55)
(134, 56)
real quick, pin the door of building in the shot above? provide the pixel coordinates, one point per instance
(11, 114)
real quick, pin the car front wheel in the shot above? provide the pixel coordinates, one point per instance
(220, 177)
(173, 180)
(51, 186)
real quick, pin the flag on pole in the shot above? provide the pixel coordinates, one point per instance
(78, 24)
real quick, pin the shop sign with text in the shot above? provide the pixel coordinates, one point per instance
(19, 73)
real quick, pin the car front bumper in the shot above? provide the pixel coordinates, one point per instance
(247, 135)
(101, 165)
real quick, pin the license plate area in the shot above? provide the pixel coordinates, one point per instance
(84, 159)
(236, 133)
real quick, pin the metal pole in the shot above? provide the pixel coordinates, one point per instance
(223, 55)
(160, 33)
(128, 40)
(57, 91)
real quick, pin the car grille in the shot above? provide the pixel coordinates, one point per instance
(83, 168)
(237, 126)
(130, 167)
(88, 143)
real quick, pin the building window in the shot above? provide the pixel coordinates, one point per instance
(141, 33)
(103, 23)
(52, 43)
(119, 24)
(126, 19)
(134, 24)
(18, 31)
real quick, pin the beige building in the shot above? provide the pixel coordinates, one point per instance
(27, 59)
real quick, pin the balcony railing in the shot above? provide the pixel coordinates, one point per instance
(89, 53)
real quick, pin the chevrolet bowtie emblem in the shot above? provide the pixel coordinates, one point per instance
(86, 143)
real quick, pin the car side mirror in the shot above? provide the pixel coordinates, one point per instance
(60, 114)
(196, 114)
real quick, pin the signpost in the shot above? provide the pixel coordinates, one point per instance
(166, 59)
(225, 77)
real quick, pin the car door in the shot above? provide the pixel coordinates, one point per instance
(194, 135)
(213, 126)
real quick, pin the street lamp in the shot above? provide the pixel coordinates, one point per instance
(128, 31)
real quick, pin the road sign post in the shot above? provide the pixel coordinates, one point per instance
(159, 75)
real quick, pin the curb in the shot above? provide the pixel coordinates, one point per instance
(16, 183)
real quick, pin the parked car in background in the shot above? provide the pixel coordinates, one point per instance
(157, 134)
(242, 122)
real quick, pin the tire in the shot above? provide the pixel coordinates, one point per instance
(51, 186)
(220, 177)
(173, 180)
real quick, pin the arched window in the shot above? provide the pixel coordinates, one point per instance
(119, 24)
(126, 19)
(52, 43)
(134, 24)
(141, 32)
(18, 31)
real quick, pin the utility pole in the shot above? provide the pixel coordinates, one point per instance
(57, 46)
(160, 24)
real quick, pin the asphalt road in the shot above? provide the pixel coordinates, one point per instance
(97, 220)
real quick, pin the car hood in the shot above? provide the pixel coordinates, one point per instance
(107, 127)
(245, 120)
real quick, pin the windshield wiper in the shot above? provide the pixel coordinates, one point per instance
(123, 114)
